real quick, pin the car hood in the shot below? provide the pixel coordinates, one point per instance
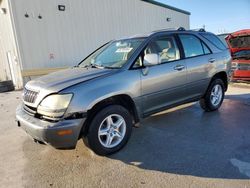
(57, 81)
(239, 40)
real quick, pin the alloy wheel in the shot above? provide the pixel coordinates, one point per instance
(112, 131)
(216, 95)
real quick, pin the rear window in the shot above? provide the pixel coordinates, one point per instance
(214, 40)
(240, 42)
(222, 37)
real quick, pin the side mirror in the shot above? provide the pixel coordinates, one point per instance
(151, 59)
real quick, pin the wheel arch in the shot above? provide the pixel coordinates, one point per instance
(122, 99)
(223, 76)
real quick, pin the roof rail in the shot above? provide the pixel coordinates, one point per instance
(167, 29)
(199, 30)
(181, 29)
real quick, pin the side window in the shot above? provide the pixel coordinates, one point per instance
(192, 45)
(214, 40)
(138, 62)
(165, 47)
(206, 49)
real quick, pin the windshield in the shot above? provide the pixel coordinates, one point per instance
(113, 55)
(243, 54)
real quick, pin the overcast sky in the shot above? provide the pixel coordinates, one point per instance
(218, 16)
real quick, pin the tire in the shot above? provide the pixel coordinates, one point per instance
(105, 125)
(6, 86)
(208, 102)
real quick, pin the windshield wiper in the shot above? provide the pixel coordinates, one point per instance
(99, 66)
(94, 66)
(109, 67)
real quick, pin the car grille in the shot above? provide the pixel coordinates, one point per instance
(29, 96)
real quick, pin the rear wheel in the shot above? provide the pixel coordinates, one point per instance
(214, 96)
(110, 130)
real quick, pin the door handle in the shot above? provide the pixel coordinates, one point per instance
(212, 60)
(179, 67)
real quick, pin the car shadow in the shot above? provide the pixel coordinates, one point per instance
(188, 141)
(243, 97)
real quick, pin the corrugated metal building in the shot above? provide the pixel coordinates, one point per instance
(40, 36)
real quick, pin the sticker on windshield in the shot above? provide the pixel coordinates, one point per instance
(124, 50)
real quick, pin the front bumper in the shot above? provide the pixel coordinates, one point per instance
(62, 134)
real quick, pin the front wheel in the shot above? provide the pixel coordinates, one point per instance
(214, 96)
(110, 130)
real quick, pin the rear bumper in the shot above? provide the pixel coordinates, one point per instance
(63, 134)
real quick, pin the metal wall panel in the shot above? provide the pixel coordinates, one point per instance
(63, 38)
(9, 64)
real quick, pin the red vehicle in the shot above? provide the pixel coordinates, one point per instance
(239, 44)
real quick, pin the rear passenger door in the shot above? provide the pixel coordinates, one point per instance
(199, 61)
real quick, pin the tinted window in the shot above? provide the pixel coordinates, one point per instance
(206, 49)
(222, 37)
(192, 45)
(214, 40)
(165, 47)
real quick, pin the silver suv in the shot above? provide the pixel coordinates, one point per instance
(122, 82)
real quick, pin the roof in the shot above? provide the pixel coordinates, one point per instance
(167, 6)
(170, 30)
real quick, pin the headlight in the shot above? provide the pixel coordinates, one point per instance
(54, 105)
(235, 65)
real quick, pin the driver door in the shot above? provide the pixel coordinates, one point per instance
(163, 84)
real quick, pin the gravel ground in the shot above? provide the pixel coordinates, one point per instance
(181, 147)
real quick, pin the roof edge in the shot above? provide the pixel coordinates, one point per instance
(167, 6)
